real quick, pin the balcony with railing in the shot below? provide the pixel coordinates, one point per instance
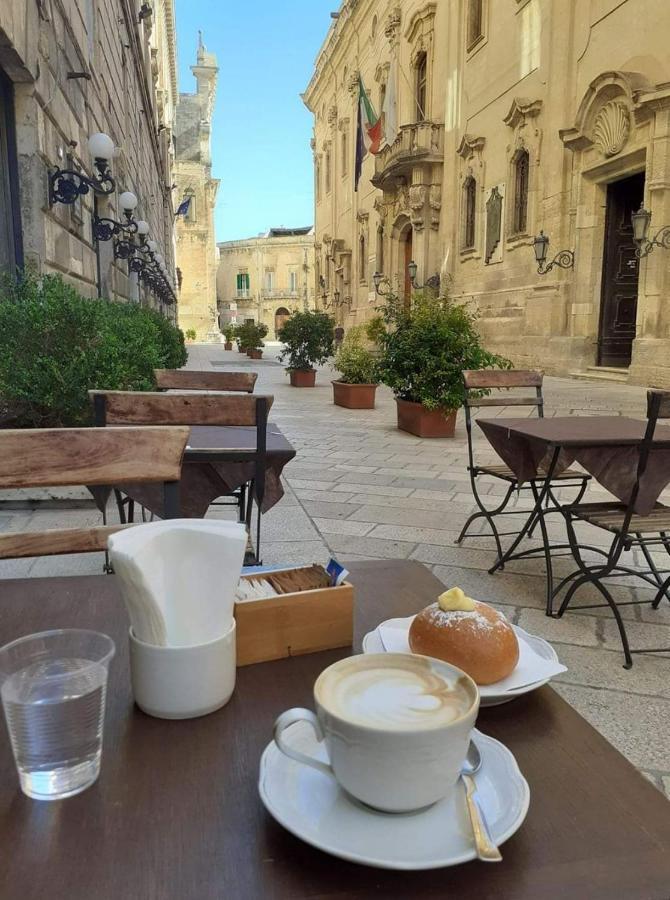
(421, 143)
(280, 294)
(242, 294)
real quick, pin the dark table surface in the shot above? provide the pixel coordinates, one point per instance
(607, 447)
(203, 480)
(176, 813)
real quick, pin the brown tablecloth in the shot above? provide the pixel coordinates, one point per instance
(202, 482)
(605, 446)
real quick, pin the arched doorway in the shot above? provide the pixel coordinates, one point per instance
(281, 315)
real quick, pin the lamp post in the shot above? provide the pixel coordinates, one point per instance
(67, 185)
(564, 259)
(433, 282)
(641, 221)
(378, 280)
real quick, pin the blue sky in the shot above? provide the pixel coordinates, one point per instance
(261, 129)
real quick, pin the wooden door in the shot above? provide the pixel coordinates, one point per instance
(407, 260)
(10, 229)
(281, 316)
(618, 306)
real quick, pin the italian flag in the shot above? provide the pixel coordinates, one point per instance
(368, 132)
(369, 122)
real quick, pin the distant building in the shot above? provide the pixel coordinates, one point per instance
(69, 71)
(513, 118)
(266, 278)
(196, 243)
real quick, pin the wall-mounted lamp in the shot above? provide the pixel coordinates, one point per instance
(145, 12)
(564, 259)
(641, 221)
(67, 185)
(104, 228)
(433, 282)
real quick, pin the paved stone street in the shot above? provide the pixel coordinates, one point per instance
(360, 489)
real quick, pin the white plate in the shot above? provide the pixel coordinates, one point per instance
(489, 695)
(313, 807)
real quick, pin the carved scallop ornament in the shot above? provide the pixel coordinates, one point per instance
(612, 127)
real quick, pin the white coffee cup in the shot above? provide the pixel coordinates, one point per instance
(183, 682)
(396, 727)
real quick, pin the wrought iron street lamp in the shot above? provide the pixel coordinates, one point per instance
(641, 221)
(67, 185)
(564, 259)
(433, 282)
(378, 280)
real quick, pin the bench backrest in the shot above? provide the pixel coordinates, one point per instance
(194, 380)
(154, 408)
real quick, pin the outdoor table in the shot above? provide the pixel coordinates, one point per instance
(204, 479)
(175, 814)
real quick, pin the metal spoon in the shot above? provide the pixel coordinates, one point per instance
(486, 848)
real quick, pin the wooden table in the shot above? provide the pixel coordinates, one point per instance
(204, 477)
(175, 814)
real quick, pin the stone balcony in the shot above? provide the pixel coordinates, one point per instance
(418, 144)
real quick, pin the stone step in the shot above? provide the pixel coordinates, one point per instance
(602, 373)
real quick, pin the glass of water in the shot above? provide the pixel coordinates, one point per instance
(53, 693)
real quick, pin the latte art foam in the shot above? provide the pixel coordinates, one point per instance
(395, 698)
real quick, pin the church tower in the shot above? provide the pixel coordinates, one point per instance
(195, 235)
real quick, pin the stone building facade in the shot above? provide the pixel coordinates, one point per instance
(196, 242)
(70, 69)
(267, 277)
(536, 115)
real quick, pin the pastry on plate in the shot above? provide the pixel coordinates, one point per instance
(469, 634)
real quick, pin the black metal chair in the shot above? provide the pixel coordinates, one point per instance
(478, 386)
(134, 408)
(629, 530)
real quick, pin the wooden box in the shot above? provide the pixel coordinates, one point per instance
(294, 624)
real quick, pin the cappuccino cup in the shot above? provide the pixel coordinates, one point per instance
(396, 728)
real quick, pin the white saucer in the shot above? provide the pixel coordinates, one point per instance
(488, 693)
(313, 807)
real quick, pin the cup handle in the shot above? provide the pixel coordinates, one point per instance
(290, 717)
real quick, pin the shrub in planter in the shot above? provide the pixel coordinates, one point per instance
(425, 349)
(190, 334)
(228, 335)
(56, 345)
(357, 364)
(243, 336)
(308, 337)
(257, 332)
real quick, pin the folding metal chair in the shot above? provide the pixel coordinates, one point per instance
(629, 530)
(479, 384)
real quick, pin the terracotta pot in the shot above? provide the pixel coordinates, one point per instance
(256, 354)
(241, 349)
(303, 377)
(354, 396)
(227, 346)
(428, 423)
(248, 351)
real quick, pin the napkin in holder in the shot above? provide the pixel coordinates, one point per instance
(178, 579)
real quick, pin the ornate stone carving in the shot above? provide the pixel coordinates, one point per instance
(417, 202)
(470, 145)
(332, 114)
(362, 216)
(435, 203)
(381, 208)
(343, 124)
(521, 109)
(612, 127)
(352, 84)
(392, 24)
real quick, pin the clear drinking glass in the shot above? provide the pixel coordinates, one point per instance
(53, 693)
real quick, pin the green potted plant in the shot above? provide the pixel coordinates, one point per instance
(357, 365)
(255, 346)
(242, 336)
(228, 334)
(308, 337)
(190, 335)
(425, 350)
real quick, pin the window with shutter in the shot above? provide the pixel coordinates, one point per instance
(469, 213)
(521, 176)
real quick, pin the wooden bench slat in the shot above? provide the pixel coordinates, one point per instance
(20, 544)
(192, 379)
(55, 457)
(139, 407)
(502, 378)
(504, 401)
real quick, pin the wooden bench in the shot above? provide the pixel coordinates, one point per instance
(59, 457)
